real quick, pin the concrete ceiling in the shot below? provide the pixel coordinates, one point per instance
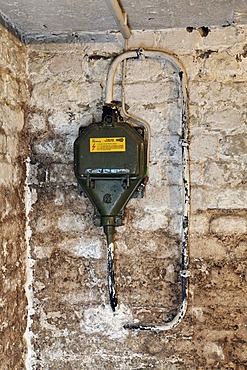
(35, 18)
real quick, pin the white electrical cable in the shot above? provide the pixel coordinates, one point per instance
(184, 273)
(137, 120)
(112, 72)
(136, 54)
(120, 18)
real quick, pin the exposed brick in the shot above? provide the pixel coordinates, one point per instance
(205, 197)
(205, 247)
(199, 223)
(36, 122)
(13, 313)
(3, 144)
(49, 94)
(13, 115)
(230, 198)
(148, 92)
(220, 173)
(62, 173)
(228, 225)
(68, 122)
(203, 146)
(235, 145)
(71, 303)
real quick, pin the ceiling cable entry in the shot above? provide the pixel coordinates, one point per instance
(120, 17)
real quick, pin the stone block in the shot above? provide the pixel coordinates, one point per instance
(37, 66)
(204, 197)
(161, 198)
(197, 171)
(12, 88)
(12, 146)
(228, 225)
(49, 94)
(203, 146)
(166, 174)
(83, 246)
(186, 42)
(167, 149)
(67, 122)
(66, 65)
(213, 92)
(240, 251)
(213, 351)
(6, 173)
(224, 67)
(3, 143)
(138, 70)
(175, 226)
(70, 222)
(47, 149)
(221, 173)
(231, 298)
(199, 223)
(205, 247)
(224, 38)
(36, 122)
(163, 118)
(235, 146)
(96, 69)
(151, 92)
(198, 198)
(62, 173)
(151, 221)
(12, 118)
(142, 38)
(229, 198)
(218, 117)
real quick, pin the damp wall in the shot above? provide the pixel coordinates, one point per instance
(71, 325)
(13, 153)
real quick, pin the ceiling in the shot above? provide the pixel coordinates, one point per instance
(32, 19)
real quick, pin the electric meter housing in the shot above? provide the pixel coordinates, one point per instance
(110, 163)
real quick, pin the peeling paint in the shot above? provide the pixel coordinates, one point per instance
(28, 335)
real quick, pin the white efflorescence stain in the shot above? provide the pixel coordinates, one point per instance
(28, 335)
(103, 321)
(83, 247)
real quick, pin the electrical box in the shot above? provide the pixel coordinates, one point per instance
(110, 159)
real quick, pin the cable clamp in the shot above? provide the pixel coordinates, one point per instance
(140, 54)
(185, 273)
(184, 143)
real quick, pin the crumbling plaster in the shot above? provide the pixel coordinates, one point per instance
(13, 153)
(72, 326)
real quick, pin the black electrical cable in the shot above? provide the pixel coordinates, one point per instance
(184, 283)
(109, 231)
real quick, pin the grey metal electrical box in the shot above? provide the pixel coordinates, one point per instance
(110, 159)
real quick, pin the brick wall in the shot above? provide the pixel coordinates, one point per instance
(13, 93)
(72, 324)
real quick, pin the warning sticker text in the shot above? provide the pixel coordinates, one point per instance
(107, 144)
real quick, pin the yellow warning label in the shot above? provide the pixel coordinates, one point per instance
(107, 144)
